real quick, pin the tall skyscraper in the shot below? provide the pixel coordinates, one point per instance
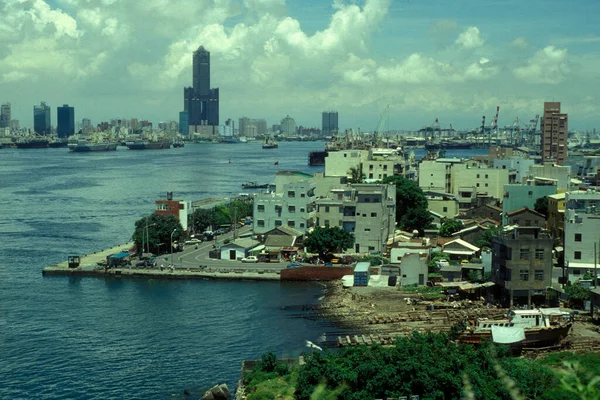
(329, 123)
(288, 125)
(5, 115)
(65, 121)
(200, 101)
(555, 132)
(41, 119)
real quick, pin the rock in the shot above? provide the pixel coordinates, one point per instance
(218, 392)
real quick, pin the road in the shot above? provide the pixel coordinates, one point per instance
(196, 257)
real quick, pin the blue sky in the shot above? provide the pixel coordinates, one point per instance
(427, 59)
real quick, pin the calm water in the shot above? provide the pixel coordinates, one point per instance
(104, 338)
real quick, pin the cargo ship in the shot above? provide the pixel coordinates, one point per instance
(57, 143)
(80, 146)
(32, 143)
(448, 145)
(148, 144)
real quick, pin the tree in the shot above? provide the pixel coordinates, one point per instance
(449, 226)
(541, 205)
(157, 236)
(577, 294)
(326, 241)
(356, 174)
(487, 236)
(202, 218)
(411, 204)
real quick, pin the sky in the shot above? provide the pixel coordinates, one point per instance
(451, 60)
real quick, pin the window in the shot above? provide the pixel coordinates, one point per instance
(367, 229)
(291, 224)
(291, 209)
(486, 185)
(577, 255)
(578, 237)
(539, 274)
(301, 224)
(486, 176)
(477, 176)
(385, 167)
(373, 214)
(302, 210)
(260, 208)
(524, 254)
(530, 193)
(302, 194)
(291, 193)
(326, 222)
(260, 223)
(539, 254)
(326, 209)
(445, 209)
(371, 248)
(277, 222)
(509, 275)
(576, 272)
(524, 274)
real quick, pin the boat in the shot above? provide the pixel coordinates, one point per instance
(97, 142)
(32, 143)
(449, 145)
(178, 143)
(255, 185)
(57, 143)
(148, 144)
(521, 328)
(270, 143)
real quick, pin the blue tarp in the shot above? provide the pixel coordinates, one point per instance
(120, 255)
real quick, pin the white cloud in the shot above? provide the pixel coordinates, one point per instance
(548, 65)
(470, 39)
(519, 42)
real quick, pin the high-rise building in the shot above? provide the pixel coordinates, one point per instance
(252, 127)
(288, 125)
(330, 123)
(65, 121)
(184, 123)
(555, 132)
(200, 101)
(5, 115)
(41, 119)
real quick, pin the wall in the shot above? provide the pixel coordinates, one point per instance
(308, 273)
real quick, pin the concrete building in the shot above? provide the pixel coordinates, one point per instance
(555, 132)
(41, 119)
(413, 262)
(367, 210)
(375, 164)
(525, 217)
(238, 248)
(290, 205)
(519, 165)
(556, 217)
(288, 126)
(65, 119)
(444, 204)
(522, 265)
(582, 240)
(5, 115)
(552, 172)
(525, 195)
(329, 124)
(200, 101)
(178, 208)
(184, 122)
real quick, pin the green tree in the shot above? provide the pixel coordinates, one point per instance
(487, 236)
(201, 219)
(356, 174)
(326, 241)
(223, 215)
(155, 231)
(411, 204)
(541, 205)
(577, 294)
(449, 226)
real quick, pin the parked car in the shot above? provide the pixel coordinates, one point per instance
(193, 241)
(250, 259)
(294, 264)
(442, 262)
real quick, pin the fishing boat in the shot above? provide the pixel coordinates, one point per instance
(150, 143)
(270, 143)
(36, 142)
(255, 185)
(91, 143)
(521, 328)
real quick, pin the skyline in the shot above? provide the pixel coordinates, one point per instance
(426, 59)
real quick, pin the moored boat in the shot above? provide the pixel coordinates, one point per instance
(270, 143)
(148, 144)
(32, 143)
(87, 146)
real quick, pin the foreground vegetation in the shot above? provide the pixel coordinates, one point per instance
(429, 365)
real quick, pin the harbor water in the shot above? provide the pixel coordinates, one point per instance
(88, 338)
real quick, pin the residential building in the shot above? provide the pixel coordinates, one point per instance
(525, 217)
(555, 131)
(288, 126)
(444, 204)
(200, 101)
(522, 265)
(238, 248)
(552, 172)
(5, 115)
(367, 210)
(518, 165)
(41, 119)
(249, 127)
(375, 164)
(178, 208)
(556, 217)
(484, 211)
(329, 124)
(65, 120)
(525, 195)
(413, 262)
(459, 250)
(290, 205)
(581, 242)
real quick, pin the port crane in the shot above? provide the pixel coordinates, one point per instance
(378, 134)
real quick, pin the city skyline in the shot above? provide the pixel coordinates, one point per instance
(427, 60)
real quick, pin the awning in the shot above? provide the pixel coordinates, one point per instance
(459, 252)
(289, 248)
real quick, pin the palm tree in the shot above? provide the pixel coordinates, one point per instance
(356, 174)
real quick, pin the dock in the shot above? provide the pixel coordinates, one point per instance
(94, 265)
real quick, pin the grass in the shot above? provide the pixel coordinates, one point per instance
(277, 388)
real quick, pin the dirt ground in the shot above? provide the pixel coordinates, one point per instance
(381, 313)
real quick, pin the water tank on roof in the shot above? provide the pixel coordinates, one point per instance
(169, 195)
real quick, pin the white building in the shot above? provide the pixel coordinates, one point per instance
(519, 165)
(582, 222)
(288, 126)
(560, 174)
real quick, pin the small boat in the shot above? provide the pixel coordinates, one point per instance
(521, 328)
(270, 143)
(255, 185)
